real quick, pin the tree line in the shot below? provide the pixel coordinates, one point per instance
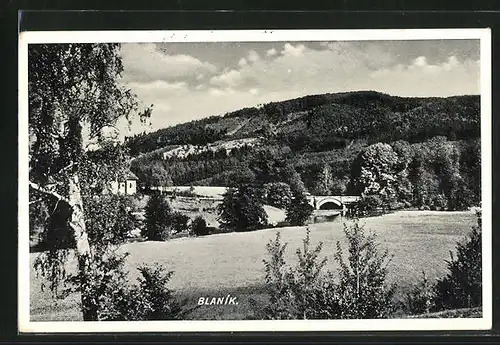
(435, 174)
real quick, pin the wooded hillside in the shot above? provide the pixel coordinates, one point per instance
(435, 141)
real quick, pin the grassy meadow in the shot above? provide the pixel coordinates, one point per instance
(221, 264)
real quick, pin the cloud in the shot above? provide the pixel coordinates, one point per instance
(291, 50)
(421, 78)
(228, 78)
(302, 69)
(253, 56)
(144, 62)
(421, 61)
(242, 62)
(159, 85)
(271, 52)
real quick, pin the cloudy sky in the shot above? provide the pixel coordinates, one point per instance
(187, 81)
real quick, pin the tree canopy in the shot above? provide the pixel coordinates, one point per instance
(75, 89)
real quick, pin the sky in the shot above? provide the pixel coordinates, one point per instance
(189, 81)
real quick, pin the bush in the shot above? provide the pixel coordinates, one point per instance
(118, 223)
(370, 203)
(299, 210)
(150, 299)
(158, 218)
(439, 202)
(199, 226)
(179, 222)
(420, 300)
(307, 292)
(461, 287)
(300, 292)
(362, 286)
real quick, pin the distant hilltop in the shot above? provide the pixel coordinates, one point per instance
(347, 116)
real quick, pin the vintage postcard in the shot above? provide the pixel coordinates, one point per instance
(270, 180)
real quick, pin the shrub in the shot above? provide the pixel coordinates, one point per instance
(179, 222)
(117, 225)
(370, 203)
(150, 299)
(158, 218)
(461, 287)
(362, 286)
(276, 276)
(299, 210)
(300, 292)
(306, 291)
(199, 226)
(420, 300)
(439, 202)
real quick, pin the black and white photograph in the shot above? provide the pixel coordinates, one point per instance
(288, 180)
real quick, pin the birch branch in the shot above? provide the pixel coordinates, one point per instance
(35, 201)
(49, 192)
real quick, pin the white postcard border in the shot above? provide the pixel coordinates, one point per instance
(24, 323)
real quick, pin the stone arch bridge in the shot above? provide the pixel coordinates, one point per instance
(332, 203)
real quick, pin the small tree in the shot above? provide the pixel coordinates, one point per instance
(150, 299)
(420, 300)
(199, 226)
(304, 291)
(299, 210)
(158, 218)
(362, 287)
(461, 287)
(242, 209)
(324, 181)
(368, 204)
(276, 279)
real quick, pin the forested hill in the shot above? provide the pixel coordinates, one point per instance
(353, 115)
(429, 147)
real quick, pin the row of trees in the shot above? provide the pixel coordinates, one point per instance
(196, 132)
(437, 174)
(161, 222)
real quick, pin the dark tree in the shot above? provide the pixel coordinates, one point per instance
(158, 218)
(199, 226)
(242, 209)
(299, 210)
(462, 286)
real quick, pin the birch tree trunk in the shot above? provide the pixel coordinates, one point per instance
(77, 223)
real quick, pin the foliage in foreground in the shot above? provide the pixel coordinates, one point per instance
(363, 288)
(307, 291)
(462, 285)
(150, 299)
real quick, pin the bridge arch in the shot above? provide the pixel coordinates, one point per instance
(329, 203)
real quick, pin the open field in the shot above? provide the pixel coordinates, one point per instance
(216, 265)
